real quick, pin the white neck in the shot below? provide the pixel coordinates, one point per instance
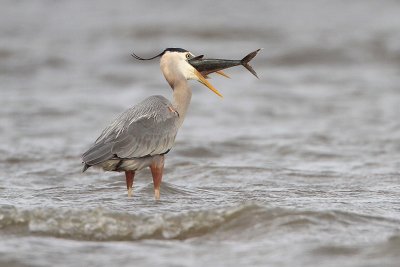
(182, 94)
(174, 67)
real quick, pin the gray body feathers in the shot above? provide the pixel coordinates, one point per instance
(145, 130)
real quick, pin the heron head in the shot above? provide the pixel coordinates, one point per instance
(175, 66)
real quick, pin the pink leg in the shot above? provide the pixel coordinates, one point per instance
(157, 168)
(129, 175)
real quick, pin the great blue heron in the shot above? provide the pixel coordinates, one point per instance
(142, 135)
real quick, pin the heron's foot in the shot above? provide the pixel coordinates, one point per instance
(129, 175)
(130, 192)
(157, 167)
(157, 194)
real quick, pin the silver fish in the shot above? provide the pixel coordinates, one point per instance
(209, 65)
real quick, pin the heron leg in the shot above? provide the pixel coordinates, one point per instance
(157, 168)
(129, 175)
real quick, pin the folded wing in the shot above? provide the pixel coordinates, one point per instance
(147, 129)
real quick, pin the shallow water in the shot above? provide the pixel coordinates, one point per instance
(298, 168)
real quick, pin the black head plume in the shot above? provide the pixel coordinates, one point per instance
(162, 53)
(140, 58)
(175, 49)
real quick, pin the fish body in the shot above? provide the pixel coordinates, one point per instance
(209, 65)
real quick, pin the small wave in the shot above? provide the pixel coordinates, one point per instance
(389, 248)
(100, 224)
(167, 189)
(243, 221)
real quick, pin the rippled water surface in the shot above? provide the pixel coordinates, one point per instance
(298, 168)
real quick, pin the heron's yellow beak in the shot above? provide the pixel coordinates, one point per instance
(206, 83)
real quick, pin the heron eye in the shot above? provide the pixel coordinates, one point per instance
(188, 56)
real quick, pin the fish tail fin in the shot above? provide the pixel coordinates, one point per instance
(245, 61)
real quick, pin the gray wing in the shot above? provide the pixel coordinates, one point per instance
(147, 129)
